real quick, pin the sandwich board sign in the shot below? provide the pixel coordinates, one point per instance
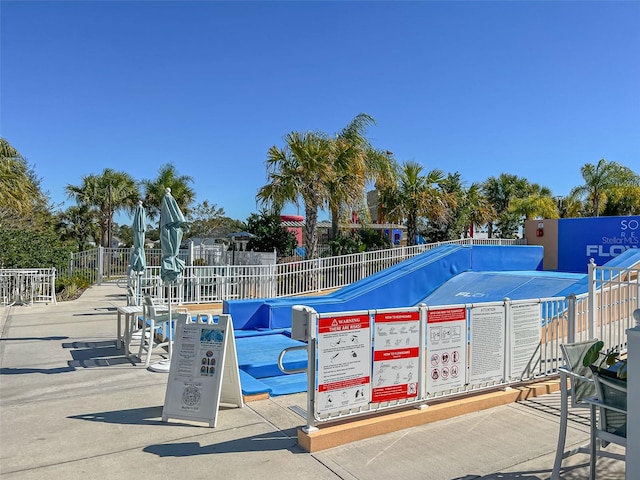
(203, 371)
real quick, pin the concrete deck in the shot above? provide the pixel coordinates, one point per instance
(73, 406)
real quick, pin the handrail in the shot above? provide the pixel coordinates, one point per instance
(281, 357)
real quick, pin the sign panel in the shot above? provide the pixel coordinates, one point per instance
(525, 325)
(344, 362)
(396, 355)
(446, 349)
(487, 344)
(203, 371)
(600, 238)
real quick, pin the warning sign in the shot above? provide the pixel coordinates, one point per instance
(344, 362)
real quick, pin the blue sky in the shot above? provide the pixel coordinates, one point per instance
(535, 89)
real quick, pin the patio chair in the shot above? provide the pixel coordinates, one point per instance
(154, 327)
(153, 316)
(576, 384)
(610, 426)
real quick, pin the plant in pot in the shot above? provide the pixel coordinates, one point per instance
(602, 361)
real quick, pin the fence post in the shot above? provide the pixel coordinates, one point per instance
(71, 264)
(592, 302)
(100, 264)
(633, 393)
(571, 318)
(53, 286)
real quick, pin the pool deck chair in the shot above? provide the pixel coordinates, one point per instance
(581, 386)
(610, 424)
(154, 316)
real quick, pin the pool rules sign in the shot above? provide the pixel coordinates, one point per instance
(446, 349)
(204, 370)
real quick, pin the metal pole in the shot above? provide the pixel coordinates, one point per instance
(593, 304)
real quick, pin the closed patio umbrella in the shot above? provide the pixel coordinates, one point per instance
(171, 267)
(138, 259)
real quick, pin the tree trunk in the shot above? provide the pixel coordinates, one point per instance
(334, 223)
(310, 232)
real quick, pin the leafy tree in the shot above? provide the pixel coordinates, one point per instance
(603, 181)
(299, 173)
(623, 200)
(22, 202)
(501, 191)
(454, 224)
(78, 224)
(361, 240)
(105, 194)
(270, 234)
(31, 248)
(537, 204)
(356, 164)
(415, 195)
(155, 190)
(476, 208)
(208, 221)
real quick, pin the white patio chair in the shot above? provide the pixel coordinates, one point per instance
(576, 384)
(153, 315)
(610, 426)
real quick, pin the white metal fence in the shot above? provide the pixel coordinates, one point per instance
(27, 286)
(207, 284)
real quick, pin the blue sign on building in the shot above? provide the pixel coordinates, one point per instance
(600, 238)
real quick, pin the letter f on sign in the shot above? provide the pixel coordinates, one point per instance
(592, 250)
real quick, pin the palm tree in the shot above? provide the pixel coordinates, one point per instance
(78, 224)
(20, 193)
(477, 209)
(155, 190)
(535, 206)
(299, 173)
(415, 195)
(600, 183)
(623, 200)
(356, 164)
(455, 223)
(500, 192)
(106, 193)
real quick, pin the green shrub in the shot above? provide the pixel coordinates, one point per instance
(68, 288)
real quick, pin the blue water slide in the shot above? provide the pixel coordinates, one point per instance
(401, 285)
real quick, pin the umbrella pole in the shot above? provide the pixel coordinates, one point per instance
(170, 327)
(163, 366)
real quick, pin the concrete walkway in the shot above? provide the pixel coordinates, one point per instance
(73, 407)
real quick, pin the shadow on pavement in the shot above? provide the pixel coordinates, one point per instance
(134, 416)
(281, 440)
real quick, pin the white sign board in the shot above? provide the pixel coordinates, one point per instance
(525, 333)
(487, 344)
(204, 370)
(396, 355)
(446, 349)
(344, 362)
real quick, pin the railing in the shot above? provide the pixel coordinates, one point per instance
(614, 294)
(27, 286)
(508, 342)
(206, 284)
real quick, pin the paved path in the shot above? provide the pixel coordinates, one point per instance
(73, 407)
